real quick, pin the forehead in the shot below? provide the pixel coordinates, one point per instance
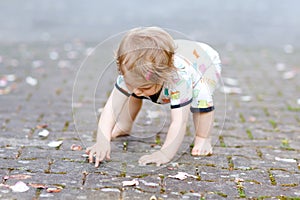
(135, 81)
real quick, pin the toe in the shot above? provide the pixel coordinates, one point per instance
(195, 152)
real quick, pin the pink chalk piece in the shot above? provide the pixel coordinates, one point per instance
(148, 76)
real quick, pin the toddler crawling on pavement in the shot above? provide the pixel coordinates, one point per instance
(154, 66)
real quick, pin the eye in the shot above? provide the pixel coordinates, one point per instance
(146, 88)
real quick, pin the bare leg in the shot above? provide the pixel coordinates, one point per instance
(203, 123)
(127, 116)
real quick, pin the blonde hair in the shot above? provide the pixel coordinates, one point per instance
(147, 53)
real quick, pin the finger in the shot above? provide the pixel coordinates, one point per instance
(149, 159)
(97, 160)
(160, 161)
(142, 164)
(91, 154)
(143, 159)
(108, 154)
(158, 164)
(156, 161)
(87, 151)
(102, 156)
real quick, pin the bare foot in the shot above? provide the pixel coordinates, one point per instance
(202, 146)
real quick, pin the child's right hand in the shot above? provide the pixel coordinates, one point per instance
(100, 150)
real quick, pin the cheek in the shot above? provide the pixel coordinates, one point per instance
(149, 92)
(129, 88)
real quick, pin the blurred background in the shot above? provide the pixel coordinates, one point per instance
(248, 22)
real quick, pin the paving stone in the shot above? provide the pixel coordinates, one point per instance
(82, 194)
(53, 179)
(95, 180)
(285, 178)
(267, 191)
(136, 194)
(219, 189)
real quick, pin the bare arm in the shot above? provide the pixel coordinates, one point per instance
(175, 135)
(110, 113)
(177, 130)
(106, 124)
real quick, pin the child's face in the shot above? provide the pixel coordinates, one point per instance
(140, 88)
(145, 90)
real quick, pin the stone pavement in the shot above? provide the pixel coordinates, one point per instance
(256, 133)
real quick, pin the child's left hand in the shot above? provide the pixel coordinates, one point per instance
(157, 157)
